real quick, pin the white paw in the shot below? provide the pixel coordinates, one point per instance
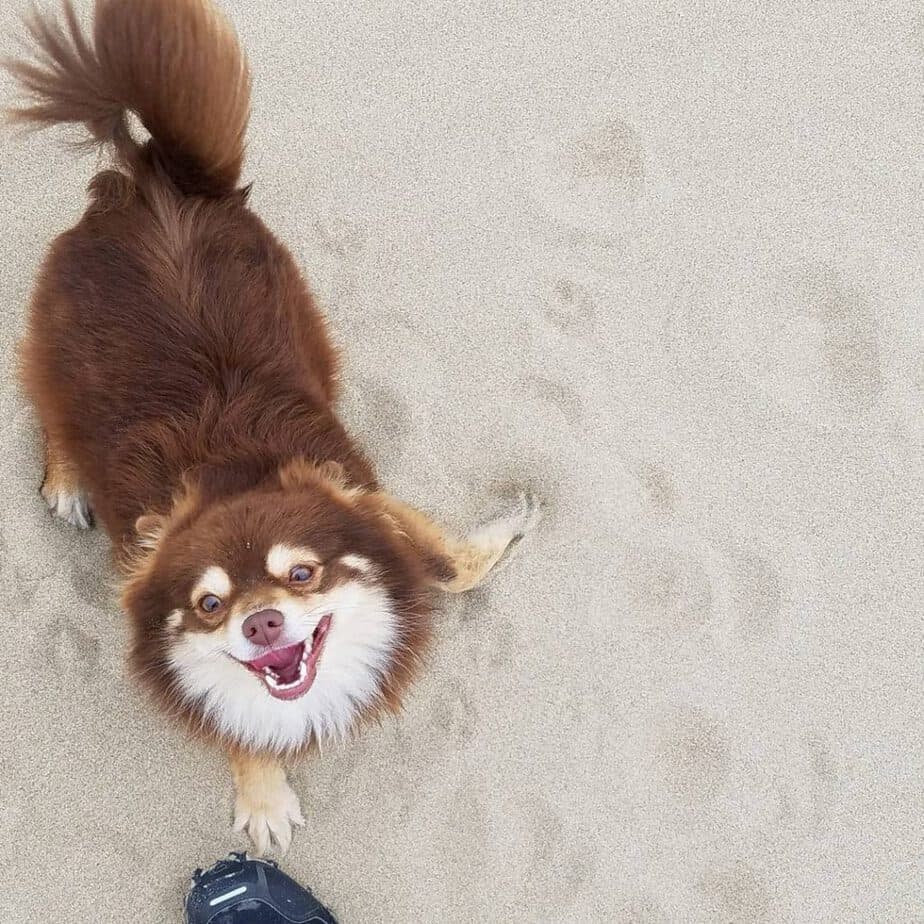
(516, 523)
(502, 534)
(72, 507)
(267, 813)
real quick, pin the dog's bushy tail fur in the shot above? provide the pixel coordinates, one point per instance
(176, 64)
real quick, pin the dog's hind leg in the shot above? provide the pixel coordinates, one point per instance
(61, 487)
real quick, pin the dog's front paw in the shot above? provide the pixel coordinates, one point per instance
(267, 810)
(70, 506)
(502, 534)
(491, 544)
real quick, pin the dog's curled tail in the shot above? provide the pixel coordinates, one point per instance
(176, 64)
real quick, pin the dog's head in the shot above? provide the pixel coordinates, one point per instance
(279, 615)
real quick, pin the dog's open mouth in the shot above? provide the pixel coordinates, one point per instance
(289, 672)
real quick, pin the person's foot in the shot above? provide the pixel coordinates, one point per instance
(256, 887)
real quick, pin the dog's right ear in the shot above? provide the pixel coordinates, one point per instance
(150, 528)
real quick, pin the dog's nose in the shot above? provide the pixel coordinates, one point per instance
(263, 628)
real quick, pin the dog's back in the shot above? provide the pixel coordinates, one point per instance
(169, 327)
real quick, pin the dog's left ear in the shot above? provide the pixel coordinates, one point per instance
(418, 533)
(300, 473)
(456, 564)
(432, 547)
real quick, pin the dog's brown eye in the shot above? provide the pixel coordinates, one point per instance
(300, 574)
(209, 603)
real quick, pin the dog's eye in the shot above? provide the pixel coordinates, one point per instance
(300, 574)
(209, 603)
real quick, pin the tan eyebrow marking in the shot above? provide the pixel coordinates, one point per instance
(281, 558)
(215, 581)
(357, 563)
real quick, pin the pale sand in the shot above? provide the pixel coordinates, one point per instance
(663, 264)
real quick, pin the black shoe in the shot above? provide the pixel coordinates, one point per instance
(243, 891)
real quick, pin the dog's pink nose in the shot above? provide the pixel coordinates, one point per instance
(263, 628)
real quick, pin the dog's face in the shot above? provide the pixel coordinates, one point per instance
(279, 616)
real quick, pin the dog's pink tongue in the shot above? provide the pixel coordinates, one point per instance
(279, 658)
(288, 674)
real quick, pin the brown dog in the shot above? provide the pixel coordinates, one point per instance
(185, 381)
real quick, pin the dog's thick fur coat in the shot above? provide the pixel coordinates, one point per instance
(185, 380)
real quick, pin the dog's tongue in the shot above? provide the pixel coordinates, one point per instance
(279, 659)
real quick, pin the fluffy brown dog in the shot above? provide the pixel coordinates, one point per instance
(184, 380)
